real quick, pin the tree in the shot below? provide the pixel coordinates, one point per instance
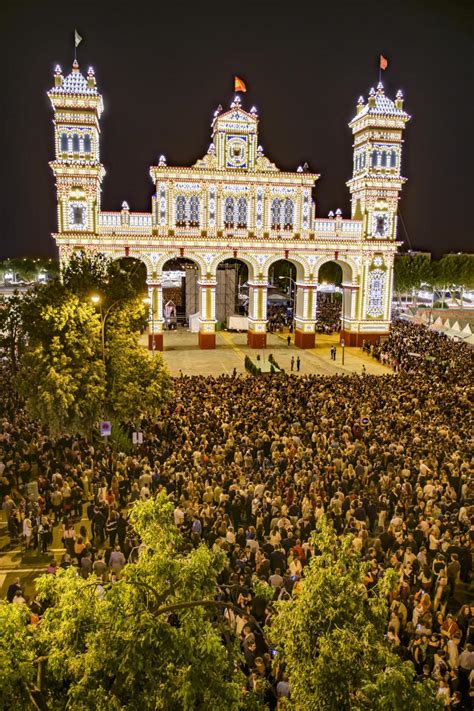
(17, 655)
(411, 271)
(331, 637)
(139, 383)
(11, 329)
(155, 639)
(62, 374)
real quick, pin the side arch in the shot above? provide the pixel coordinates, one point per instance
(349, 266)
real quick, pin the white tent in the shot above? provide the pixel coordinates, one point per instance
(194, 323)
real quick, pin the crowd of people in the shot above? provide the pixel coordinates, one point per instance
(251, 464)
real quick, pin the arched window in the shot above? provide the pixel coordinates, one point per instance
(87, 143)
(229, 212)
(383, 160)
(242, 212)
(75, 143)
(180, 211)
(289, 214)
(276, 214)
(393, 162)
(64, 142)
(194, 211)
(374, 159)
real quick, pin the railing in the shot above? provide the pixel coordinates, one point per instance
(142, 225)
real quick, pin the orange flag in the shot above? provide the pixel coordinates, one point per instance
(383, 62)
(239, 85)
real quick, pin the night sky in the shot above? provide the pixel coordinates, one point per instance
(163, 68)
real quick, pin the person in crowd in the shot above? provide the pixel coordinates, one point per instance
(251, 464)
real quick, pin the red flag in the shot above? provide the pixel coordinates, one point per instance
(239, 85)
(383, 62)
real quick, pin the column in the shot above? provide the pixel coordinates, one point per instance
(207, 312)
(349, 320)
(257, 327)
(305, 314)
(155, 317)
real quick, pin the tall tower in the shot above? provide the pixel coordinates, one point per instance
(376, 180)
(77, 168)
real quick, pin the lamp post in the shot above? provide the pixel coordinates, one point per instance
(292, 297)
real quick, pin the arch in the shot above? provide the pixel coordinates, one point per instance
(302, 265)
(64, 142)
(75, 143)
(160, 260)
(374, 158)
(87, 144)
(393, 159)
(383, 160)
(348, 265)
(133, 254)
(250, 262)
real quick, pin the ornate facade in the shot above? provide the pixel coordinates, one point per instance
(235, 203)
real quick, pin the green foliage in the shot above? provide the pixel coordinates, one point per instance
(62, 375)
(11, 329)
(17, 657)
(410, 272)
(331, 636)
(140, 383)
(118, 647)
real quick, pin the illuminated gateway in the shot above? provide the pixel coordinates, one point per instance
(235, 203)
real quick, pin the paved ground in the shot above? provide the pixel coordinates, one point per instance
(182, 353)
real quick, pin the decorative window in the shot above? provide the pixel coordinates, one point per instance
(374, 159)
(259, 208)
(383, 160)
(393, 162)
(64, 142)
(180, 211)
(212, 206)
(229, 207)
(376, 289)
(77, 216)
(87, 143)
(242, 212)
(194, 211)
(289, 214)
(276, 214)
(75, 143)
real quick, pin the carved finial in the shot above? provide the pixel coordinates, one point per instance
(338, 212)
(361, 101)
(162, 161)
(57, 69)
(236, 104)
(372, 91)
(75, 66)
(211, 150)
(380, 88)
(259, 152)
(125, 206)
(305, 168)
(253, 111)
(331, 215)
